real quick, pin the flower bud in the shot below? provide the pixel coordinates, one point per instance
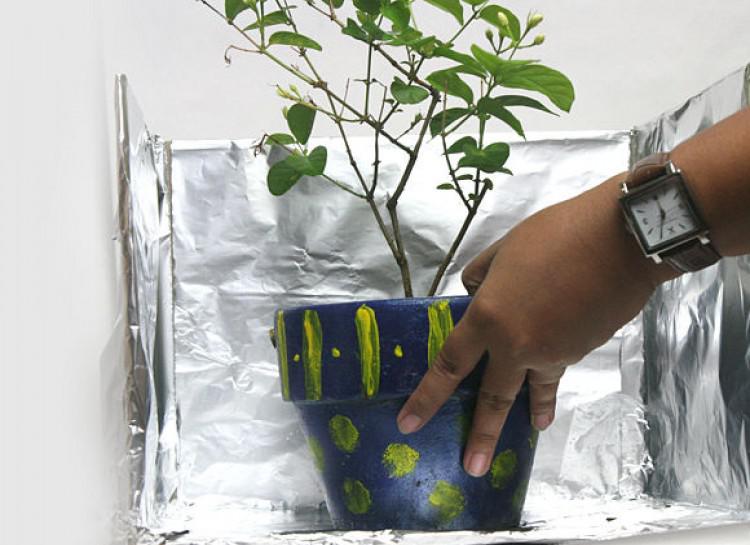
(294, 89)
(488, 34)
(285, 111)
(539, 40)
(502, 19)
(534, 20)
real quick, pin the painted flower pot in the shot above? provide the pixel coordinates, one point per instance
(349, 368)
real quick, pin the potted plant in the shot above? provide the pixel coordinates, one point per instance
(349, 367)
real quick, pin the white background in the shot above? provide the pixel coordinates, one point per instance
(628, 60)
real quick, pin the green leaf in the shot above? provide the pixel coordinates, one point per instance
(284, 37)
(337, 3)
(371, 27)
(398, 13)
(408, 94)
(536, 77)
(283, 175)
(465, 177)
(496, 109)
(451, 6)
(489, 14)
(317, 160)
(474, 2)
(495, 65)
(461, 58)
(369, 6)
(281, 139)
(490, 159)
(445, 119)
(449, 82)
(446, 186)
(520, 100)
(462, 144)
(354, 30)
(232, 8)
(270, 19)
(300, 119)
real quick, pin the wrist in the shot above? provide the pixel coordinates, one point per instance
(623, 247)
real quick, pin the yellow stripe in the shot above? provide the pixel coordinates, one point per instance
(283, 359)
(312, 355)
(369, 350)
(441, 325)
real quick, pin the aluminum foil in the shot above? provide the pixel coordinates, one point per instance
(213, 454)
(696, 377)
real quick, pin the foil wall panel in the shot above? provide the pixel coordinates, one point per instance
(696, 374)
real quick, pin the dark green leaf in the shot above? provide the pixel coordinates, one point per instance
(398, 13)
(520, 100)
(284, 37)
(232, 8)
(449, 82)
(369, 6)
(489, 159)
(492, 107)
(462, 144)
(408, 94)
(444, 119)
(446, 186)
(283, 175)
(451, 6)
(317, 160)
(281, 138)
(536, 77)
(337, 3)
(371, 27)
(462, 58)
(474, 2)
(354, 30)
(465, 177)
(300, 119)
(489, 14)
(270, 19)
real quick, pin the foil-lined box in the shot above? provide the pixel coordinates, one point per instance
(651, 433)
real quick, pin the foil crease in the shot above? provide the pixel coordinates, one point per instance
(696, 370)
(214, 456)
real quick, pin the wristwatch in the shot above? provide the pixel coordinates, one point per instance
(661, 213)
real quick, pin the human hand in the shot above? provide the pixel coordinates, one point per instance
(556, 287)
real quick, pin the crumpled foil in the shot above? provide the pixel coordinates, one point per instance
(215, 456)
(696, 382)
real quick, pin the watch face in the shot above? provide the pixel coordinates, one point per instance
(661, 213)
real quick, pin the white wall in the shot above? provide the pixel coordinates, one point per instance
(55, 273)
(629, 61)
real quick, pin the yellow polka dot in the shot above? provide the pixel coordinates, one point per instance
(400, 459)
(398, 351)
(356, 497)
(296, 357)
(344, 433)
(335, 352)
(503, 468)
(448, 500)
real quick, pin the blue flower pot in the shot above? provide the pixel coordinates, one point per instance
(349, 368)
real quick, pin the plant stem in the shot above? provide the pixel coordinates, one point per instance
(368, 80)
(457, 242)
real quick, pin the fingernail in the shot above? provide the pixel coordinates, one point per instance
(542, 421)
(409, 423)
(477, 465)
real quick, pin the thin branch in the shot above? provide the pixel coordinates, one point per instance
(454, 178)
(457, 242)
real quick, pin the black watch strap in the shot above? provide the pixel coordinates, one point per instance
(695, 254)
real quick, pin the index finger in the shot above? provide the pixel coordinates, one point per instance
(459, 355)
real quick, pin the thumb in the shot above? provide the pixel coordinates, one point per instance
(475, 272)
